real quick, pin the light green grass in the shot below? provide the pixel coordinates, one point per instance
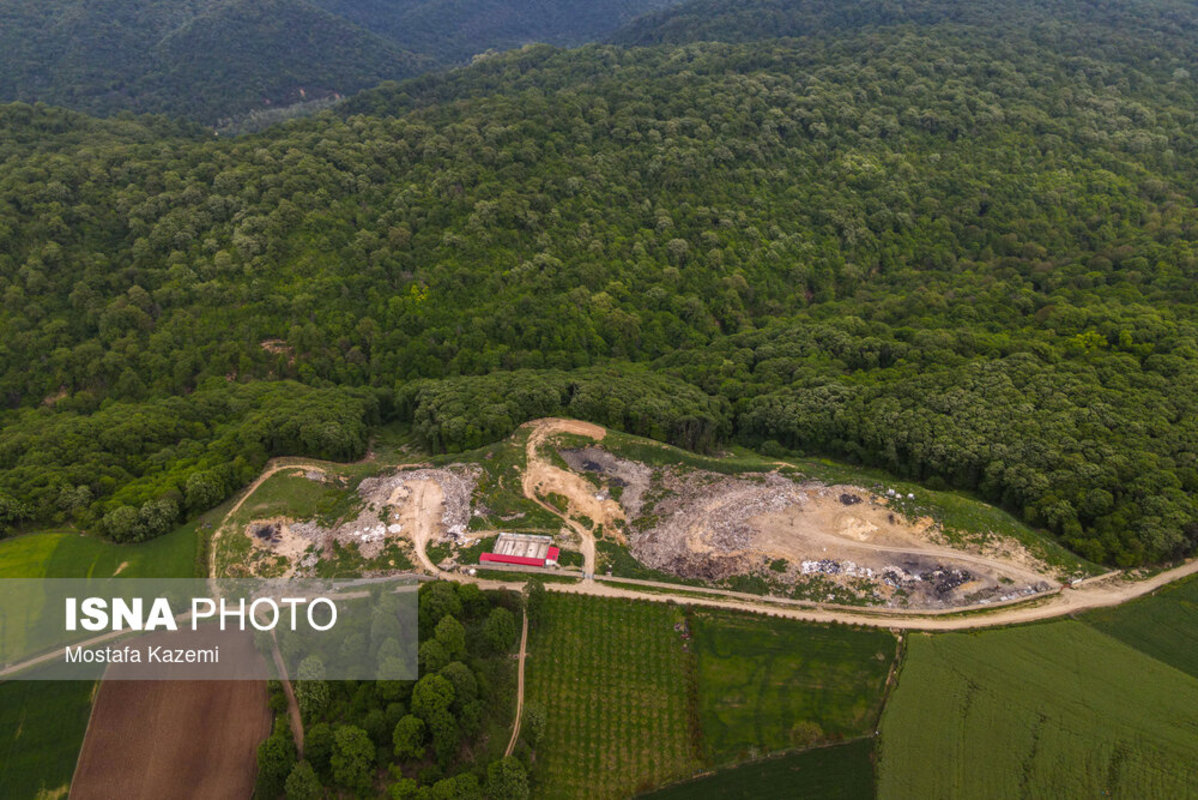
(612, 676)
(290, 494)
(1057, 710)
(41, 730)
(768, 684)
(841, 772)
(1165, 625)
(66, 554)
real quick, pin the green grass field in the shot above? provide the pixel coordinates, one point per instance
(290, 494)
(73, 555)
(768, 684)
(612, 676)
(1165, 625)
(1050, 710)
(840, 772)
(41, 729)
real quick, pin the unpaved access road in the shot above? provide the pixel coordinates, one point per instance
(511, 745)
(541, 477)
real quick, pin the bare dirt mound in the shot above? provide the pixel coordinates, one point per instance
(543, 478)
(160, 739)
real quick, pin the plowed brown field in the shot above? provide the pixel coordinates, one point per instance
(172, 739)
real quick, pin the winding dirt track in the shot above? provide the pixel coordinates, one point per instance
(511, 745)
(540, 475)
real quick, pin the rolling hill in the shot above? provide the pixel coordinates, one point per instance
(209, 60)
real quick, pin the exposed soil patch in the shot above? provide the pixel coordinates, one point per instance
(704, 525)
(409, 505)
(158, 739)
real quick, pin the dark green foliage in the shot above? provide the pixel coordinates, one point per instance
(427, 730)
(454, 31)
(959, 250)
(276, 760)
(500, 630)
(212, 59)
(135, 468)
(465, 413)
(204, 59)
(302, 783)
(507, 780)
(408, 738)
(353, 758)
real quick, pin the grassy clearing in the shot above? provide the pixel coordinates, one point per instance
(841, 772)
(1164, 625)
(612, 676)
(289, 494)
(41, 730)
(1051, 710)
(770, 684)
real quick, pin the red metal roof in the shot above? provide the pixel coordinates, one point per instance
(552, 554)
(502, 559)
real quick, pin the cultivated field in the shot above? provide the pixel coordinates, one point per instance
(1049, 710)
(186, 738)
(1164, 625)
(612, 678)
(41, 728)
(767, 684)
(840, 772)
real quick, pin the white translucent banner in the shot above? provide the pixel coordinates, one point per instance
(237, 629)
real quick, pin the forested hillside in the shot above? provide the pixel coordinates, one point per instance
(209, 60)
(949, 250)
(454, 30)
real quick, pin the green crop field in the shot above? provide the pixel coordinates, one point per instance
(840, 772)
(41, 729)
(1164, 626)
(1051, 710)
(768, 684)
(612, 676)
(73, 555)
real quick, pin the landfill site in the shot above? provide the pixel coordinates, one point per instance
(872, 542)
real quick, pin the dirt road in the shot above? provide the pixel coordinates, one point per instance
(542, 477)
(511, 745)
(420, 516)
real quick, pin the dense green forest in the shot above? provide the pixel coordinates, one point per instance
(952, 249)
(211, 60)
